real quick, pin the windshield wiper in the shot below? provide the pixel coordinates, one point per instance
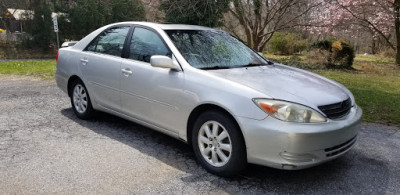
(255, 64)
(251, 65)
(241, 66)
(214, 67)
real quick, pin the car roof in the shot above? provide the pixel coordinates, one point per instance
(83, 42)
(170, 26)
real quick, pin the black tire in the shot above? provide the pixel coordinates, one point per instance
(237, 160)
(86, 113)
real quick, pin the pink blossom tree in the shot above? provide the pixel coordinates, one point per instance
(380, 17)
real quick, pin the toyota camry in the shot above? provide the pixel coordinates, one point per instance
(208, 89)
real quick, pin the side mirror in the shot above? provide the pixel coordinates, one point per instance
(68, 44)
(163, 62)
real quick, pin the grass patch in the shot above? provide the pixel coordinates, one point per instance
(279, 57)
(374, 59)
(42, 69)
(375, 84)
(378, 95)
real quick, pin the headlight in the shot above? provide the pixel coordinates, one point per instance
(291, 112)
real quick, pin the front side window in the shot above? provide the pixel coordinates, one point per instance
(111, 41)
(210, 49)
(146, 43)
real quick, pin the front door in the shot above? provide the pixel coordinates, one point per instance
(149, 93)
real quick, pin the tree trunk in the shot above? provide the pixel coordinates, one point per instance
(256, 43)
(397, 27)
(373, 45)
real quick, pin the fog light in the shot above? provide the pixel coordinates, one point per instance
(288, 167)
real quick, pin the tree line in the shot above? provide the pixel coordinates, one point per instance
(253, 21)
(76, 18)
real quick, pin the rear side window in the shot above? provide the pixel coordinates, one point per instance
(111, 41)
(146, 43)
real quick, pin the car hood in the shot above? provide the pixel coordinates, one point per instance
(286, 83)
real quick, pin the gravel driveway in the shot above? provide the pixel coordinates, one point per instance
(45, 149)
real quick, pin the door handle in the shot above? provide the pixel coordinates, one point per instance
(84, 61)
(126, 71)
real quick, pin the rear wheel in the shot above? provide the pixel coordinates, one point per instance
(218, 144)
(80, 101)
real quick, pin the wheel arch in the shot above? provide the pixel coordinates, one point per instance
(70, 81)
(196, 112)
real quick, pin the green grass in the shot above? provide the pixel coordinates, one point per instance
(375, 84)
(376, 93)
(42, 69)
(374, 59)
(273, 56)
(359, 58)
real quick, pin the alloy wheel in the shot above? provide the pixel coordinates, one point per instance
(80, 98)
(214, 143)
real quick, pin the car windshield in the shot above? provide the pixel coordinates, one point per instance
(211, 49)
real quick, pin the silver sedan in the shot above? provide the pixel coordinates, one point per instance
(205, 87)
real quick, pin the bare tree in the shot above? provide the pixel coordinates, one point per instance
(197, 12)
(153, 13)
(260, 19)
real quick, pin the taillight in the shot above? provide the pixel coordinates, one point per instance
(57, 55)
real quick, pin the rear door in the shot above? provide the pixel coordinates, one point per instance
(101, 66)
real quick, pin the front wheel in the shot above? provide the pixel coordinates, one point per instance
(218, 144)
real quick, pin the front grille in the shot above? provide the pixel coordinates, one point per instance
(336, 150)
(337, 110)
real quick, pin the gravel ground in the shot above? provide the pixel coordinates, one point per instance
(45, 149)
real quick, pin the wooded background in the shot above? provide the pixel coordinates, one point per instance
(275, 26)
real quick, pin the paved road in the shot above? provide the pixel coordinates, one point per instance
(45, 149)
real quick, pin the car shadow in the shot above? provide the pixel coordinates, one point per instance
(350, 173)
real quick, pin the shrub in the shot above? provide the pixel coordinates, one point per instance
(324, 44)
(331, 54)
(342, 55)
(318, 57)
(293, 61)
(287, 43)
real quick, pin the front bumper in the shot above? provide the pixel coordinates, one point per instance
(285, 145)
